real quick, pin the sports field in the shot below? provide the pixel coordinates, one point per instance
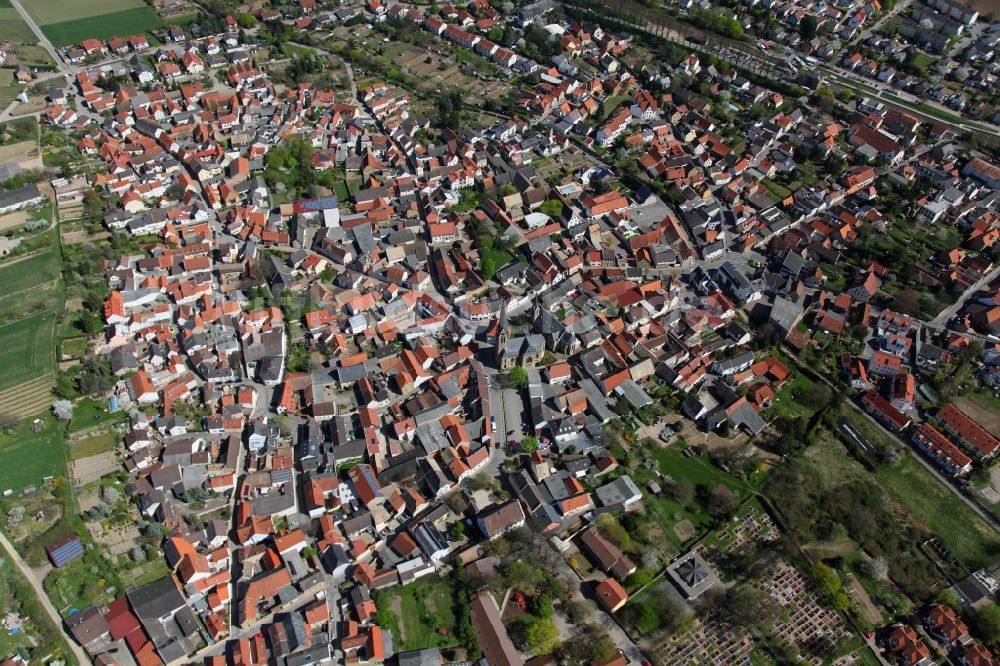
(103, 26)
(12, 26)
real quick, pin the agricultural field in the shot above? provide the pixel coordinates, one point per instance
(56, 11)
(12, 26)
(72, 21)
(28, 273)
(26, 288)
(27, 350)
(27, 457)
(8, 89)
(20, 151)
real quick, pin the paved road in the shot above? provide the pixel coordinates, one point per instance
(42, 39)
(44, 598)
(945, 316)
(864, 88)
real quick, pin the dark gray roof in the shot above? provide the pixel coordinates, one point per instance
(155, 600)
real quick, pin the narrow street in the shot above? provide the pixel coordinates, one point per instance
(945, 316)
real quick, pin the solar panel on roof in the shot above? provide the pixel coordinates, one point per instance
(66, 552)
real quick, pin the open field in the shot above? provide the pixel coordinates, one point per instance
(12, 26)
(933, 505)
(7, 95)
(13, 220)
(92, 446)
(919, 494)
(18, 152)
(29, 398)
(28, 302)
(27, 350)
(23, 292)
(102, 26)
(57, 11)
(33, 54)
(28, 273)
(92, 468)
(27, 457)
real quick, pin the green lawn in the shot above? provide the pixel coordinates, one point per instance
(500, 257)
(696, 469)
(785, 401)
(27, 457)
(90, 412)
(340, 189)
(985, 399)
(92, 446)
(609, 106)
(28, 349)
(420, 609)
(181, 19)
(147, 572)
(778, 192)
(73, 347)
(121, 23)
(296, 50)
(936, 507)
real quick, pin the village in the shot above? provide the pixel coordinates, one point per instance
(364, 333)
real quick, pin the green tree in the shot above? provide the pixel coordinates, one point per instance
(640, 578)
(541, 636)
(487, 267)
(541, 605)
(986, 623)
(830, 586)
(518, 376)
(528, 445)
(611, 529)
(646, 619)
(807, 26)
(552, 208)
